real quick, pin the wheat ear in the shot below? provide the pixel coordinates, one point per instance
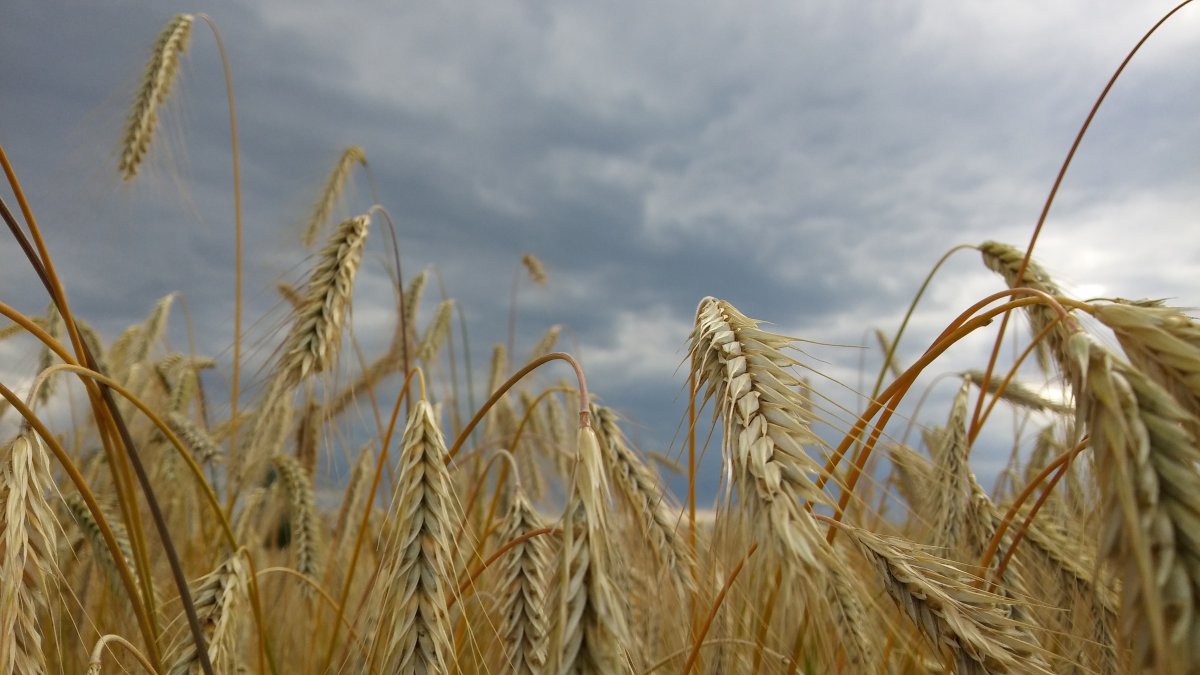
(1146, 459)
(305, 522)
(764, 436)
(411, 632)
(332, 192)
(218, 596)
(523, 588)
(156, 86)
(1161, 342)
(940, 601)
(949, 493)
(28, 533)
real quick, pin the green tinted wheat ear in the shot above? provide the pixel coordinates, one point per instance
(317, 331)
(332, 192)
(1146, 465)
(156, 85)
(27, 542)
(742, 368)
(411, 632)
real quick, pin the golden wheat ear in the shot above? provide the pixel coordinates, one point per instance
(156, 85)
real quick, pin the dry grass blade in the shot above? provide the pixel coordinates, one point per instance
(28, 533)
(410, 633)
(332, 192)
(1146, 463)
(940, 600)
(160, 76)
(764, 435)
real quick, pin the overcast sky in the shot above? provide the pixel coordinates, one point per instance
(808, 161)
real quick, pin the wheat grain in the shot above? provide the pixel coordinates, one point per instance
(218, 597)
(303, 520)
(523, 588)
(157, 81)
(1162, 342)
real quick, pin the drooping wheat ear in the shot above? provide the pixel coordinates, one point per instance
(305, 523)
(28, 534)
(180, 376)
(435, 334)
(218, 597)
(100, 551)
(1006, 261)
(537, 272)
(410, 634)
(156, 86)
(1163, 343)
(1017, 394)
(523, 588)
(203, 448)
(333, 191)
(949, 493)
(1145, 463)
(657, 520)
(764, 434)
(312, 343)
(546, 344)
(939, 599)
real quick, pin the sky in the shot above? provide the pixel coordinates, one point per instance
(807, 161)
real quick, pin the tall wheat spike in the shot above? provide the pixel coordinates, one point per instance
(28, 533)
(157, 81)
(410, 634)
(742, 368)
(523, 589)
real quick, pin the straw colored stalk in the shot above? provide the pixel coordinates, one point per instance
(764, 436)
(1145, 462)
(332, 193)
(218, 598)
(156, 85)
(410, 633)
(953, 615)
(28, 534)
(523, 589)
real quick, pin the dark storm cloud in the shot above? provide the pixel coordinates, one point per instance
(807, 161)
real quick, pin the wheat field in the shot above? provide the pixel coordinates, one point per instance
(172, 527)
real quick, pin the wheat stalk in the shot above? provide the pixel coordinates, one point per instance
(332, 192)
(156, 86)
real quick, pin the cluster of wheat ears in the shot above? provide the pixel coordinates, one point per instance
(151, 536)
